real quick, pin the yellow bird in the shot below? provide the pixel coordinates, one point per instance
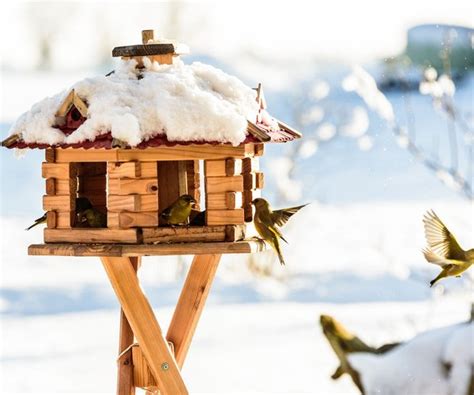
(178, 212)
(266, 223)
(443, 249)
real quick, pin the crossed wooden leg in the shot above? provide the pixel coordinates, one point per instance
(138, 313)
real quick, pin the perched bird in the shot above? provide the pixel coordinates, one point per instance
(93, 218)
(178, 213)
(444, 250)
(82, 204)
(266, 223)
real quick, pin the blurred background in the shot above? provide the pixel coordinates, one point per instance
(383, 93)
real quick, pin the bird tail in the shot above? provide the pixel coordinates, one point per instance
(37, 222)
(276, 247)
(439, 277)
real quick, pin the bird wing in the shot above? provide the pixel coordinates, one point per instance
(166, 213)
(431, 257)
(281, 217)
(440, 240)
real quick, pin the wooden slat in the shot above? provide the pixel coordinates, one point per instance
(249, 209)
(60, 219)
(65, 187)
(224, 200)
(131, 220)
(125, 385)
(86, 235)
(253, 181)
(186, 152)
(191, 304)
(117, 203)
(51, 219)
(121, 170)
(223, 167)
(50, 155)
(184, 234)
(258, 149)
(194, 180)
(142, 376)
(59, 203)
(178, 152)
(51, 186)
(117, 250)
(225, 217)
(57, 170)
(85, 155)
(235, 232)
(224, 184)
(250, 165)
(127, 186)
(140, 315)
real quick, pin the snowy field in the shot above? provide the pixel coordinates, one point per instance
(257, 335)
(239, 348)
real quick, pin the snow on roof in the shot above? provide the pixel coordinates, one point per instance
(179, 102)
(436, 362)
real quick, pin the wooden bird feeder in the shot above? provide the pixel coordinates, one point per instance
(131, 186)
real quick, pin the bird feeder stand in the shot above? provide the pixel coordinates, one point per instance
(131, 186)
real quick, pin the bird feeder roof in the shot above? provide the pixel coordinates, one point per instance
(146, 104)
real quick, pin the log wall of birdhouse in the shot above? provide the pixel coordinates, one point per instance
(224, 185)
(133, 194)
(253, 185)
(59, 202)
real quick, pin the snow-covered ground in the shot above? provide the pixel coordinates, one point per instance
(238, 348)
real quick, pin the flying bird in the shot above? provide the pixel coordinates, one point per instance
(267, 221)
(443, 249)
(178, 212)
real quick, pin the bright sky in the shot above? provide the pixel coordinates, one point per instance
(348, 30)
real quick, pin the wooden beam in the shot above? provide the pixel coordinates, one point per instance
(91, 235)
(118, 250)
(165, 153)
(140, 315)
(191, 303)
(127, 186)
(58, 170)
(224, 200)
(127, 219)
(118, 203)
(125, 385)
(184, 234)
(225, 217)
(59, 203)
(253, 181)
(224, 184)
(223, 167)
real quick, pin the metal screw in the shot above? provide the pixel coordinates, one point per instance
(165, 366)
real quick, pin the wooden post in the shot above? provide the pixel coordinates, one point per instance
(140, 315)
(191, 303)
(125, 385)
